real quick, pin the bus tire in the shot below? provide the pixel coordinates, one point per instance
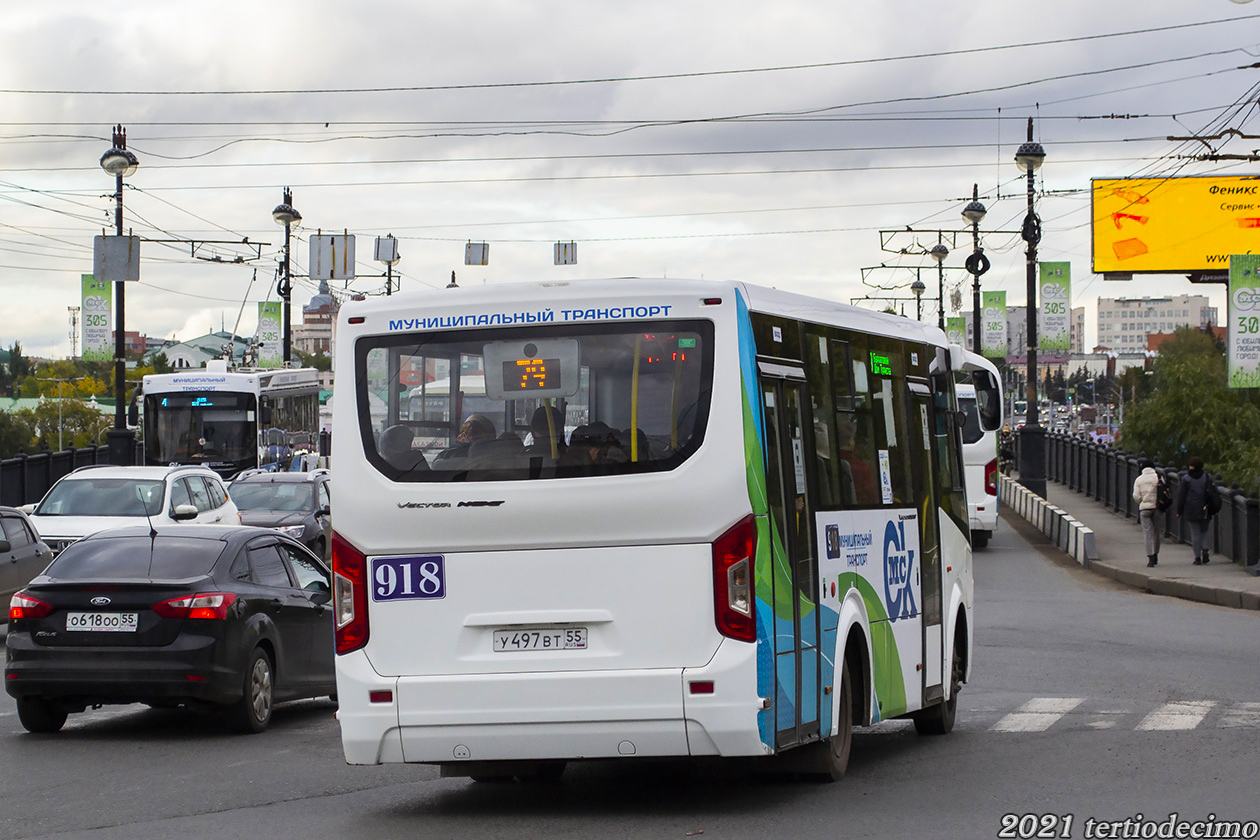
(543, 772)
(939, 719)
(980, 539)
(831, 757)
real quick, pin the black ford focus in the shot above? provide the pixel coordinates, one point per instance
(229, 618)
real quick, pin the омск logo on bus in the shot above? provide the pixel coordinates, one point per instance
(898, 568)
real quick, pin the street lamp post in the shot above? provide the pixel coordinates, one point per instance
(918, 288)
(1032, 445)
(977, 263)
(119, 162)
(286, 216)
(939, 252)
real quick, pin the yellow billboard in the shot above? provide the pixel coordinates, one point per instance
(1185, 224)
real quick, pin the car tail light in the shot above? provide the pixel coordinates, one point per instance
(349, 595)
(23, 606)
(211, 605)
(990, 478)
(733, 554)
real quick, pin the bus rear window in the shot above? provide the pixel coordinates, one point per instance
(526, 403)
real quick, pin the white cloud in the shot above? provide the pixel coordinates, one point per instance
(212, 167)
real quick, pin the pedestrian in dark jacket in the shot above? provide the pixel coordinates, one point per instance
(1192, 506)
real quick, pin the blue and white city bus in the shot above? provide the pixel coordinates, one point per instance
(685, 518)
(231, 420)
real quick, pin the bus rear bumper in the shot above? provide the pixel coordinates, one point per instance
(551, 715)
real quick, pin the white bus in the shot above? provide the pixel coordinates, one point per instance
(980, 400)
(754, 538)
(230, 420)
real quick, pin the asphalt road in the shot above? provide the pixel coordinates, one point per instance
(1089, 702)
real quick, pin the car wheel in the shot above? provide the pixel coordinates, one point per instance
(39, 714)
(318, 549)
(252, 712)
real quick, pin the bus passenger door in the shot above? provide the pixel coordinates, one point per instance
(925, 493)
(794, 577)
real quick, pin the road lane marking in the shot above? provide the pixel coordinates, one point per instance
(1038, 714)
(1242, 715)
(1179, 714)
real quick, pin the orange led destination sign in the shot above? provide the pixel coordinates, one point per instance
(531, 374)
(1147, 225)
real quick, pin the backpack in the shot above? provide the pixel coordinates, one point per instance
(1213, 498)
(1163, 496)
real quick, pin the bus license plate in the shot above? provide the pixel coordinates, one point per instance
(540, 638)
(96, 622)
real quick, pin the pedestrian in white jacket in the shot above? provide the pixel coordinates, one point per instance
(1145, 492)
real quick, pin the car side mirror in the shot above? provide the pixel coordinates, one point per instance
(324, 511)
(184, 512)
(320, 597)
(5, 546)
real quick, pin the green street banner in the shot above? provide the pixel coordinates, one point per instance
(1244, 321)
(993, 310)
(1054, 330)
(270, 339)
(97, 305)
(956, 331)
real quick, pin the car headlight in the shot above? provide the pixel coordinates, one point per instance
(294, 531)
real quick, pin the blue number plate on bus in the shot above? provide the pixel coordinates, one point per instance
(400, 578)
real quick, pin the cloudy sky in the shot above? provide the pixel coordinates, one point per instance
(766, 142)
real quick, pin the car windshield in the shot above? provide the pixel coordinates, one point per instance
(103, 497)
(160, 558)
(287, 496)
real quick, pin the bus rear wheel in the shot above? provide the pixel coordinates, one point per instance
(831, 757)
(939, 719)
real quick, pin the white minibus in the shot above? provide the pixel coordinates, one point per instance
(684, 518)
(980, 400)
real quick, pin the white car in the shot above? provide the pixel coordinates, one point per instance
(96, 498)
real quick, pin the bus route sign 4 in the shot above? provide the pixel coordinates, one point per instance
(409, 578)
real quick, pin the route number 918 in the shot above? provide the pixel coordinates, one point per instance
(399, 578)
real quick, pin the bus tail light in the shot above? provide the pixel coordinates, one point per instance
(349, 595)
(733, 554)
(990, 478)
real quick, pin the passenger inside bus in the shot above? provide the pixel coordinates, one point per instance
(477, 428)
(396, 448)
(546, 432)
(592, 444)
(863, 474)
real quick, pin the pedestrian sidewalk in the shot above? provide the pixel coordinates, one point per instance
(1121, 555)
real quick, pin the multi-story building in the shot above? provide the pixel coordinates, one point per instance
(1076, 343)
(1124, 323)
(314, 334)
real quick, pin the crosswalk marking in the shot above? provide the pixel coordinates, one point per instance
(1038, 714)
(1242, 715)
(1179, 714)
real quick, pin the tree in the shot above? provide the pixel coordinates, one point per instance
(63, 423)
(318, 360)
(1184, 407)
(16, 433)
